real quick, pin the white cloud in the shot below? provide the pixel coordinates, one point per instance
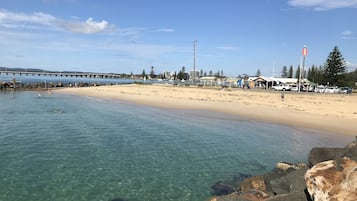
(347, 35)
(347, 32)
(231, 48)
(351, 66)
(320, 5)
(167, 30)
(30, 21)
(87, 27)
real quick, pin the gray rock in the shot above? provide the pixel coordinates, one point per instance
(296, 196)
(292, 182)
(320, 154)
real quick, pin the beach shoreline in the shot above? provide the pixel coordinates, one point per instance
(334, 113)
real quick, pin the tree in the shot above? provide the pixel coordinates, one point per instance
(335, 68)
(290, 72)
(222, 73)
(284, 72)
(181, 75)
(217, 74)
(258, 73)
(201, 73)
(152, 72)
(314, 74)
(143, 74)
(210, 73)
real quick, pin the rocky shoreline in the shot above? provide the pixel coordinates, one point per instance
(330, 175)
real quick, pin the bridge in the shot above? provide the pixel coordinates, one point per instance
(62, 74)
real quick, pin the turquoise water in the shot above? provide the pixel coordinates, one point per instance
(66, 148)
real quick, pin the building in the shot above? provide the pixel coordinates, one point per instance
(194, 75)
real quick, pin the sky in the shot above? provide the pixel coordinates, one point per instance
(129, 36)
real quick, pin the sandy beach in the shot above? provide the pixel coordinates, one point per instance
(336, 113)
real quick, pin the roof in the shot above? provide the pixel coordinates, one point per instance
(208, 78)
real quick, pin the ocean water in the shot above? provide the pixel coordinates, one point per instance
(71, 148)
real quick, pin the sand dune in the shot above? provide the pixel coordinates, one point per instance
(335, 113)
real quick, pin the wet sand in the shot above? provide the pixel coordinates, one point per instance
(335, 113)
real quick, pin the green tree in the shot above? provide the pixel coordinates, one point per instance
(314, 74)
(210, 73)
(181, 75)
(152, 72)
(311, 74)
(258, 73)
(217, 74)
(284, 72)
(290, 72)
(143, 74)
(335, 68)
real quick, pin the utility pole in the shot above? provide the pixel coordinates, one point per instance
(304, 54)
(194, 61)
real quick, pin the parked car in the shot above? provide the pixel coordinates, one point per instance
(296, 88)
(320, 89)
(345, 90)
(331, 90)
(281, 87)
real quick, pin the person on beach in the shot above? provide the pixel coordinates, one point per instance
(282, 95)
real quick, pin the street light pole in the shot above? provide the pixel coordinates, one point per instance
(194, 61)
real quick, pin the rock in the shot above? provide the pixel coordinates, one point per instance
(320, 154)
(222, 188)
(284, 166)
(273, 178)
(292, 182)
(333, 180)
(253, 195)
(238, 178)
(351, 150)
(250, 195)
(296, 196)
(253, 183)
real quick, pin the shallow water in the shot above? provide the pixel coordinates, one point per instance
(63, 147)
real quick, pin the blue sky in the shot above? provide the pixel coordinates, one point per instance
(124, 36)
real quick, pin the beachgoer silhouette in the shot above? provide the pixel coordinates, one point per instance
(282, 95)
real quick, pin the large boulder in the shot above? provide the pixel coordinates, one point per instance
(253, 183)
(292, 182)
(350, 150)
(333, 180)
(295, 196)
(320, 154)
(285, 178)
